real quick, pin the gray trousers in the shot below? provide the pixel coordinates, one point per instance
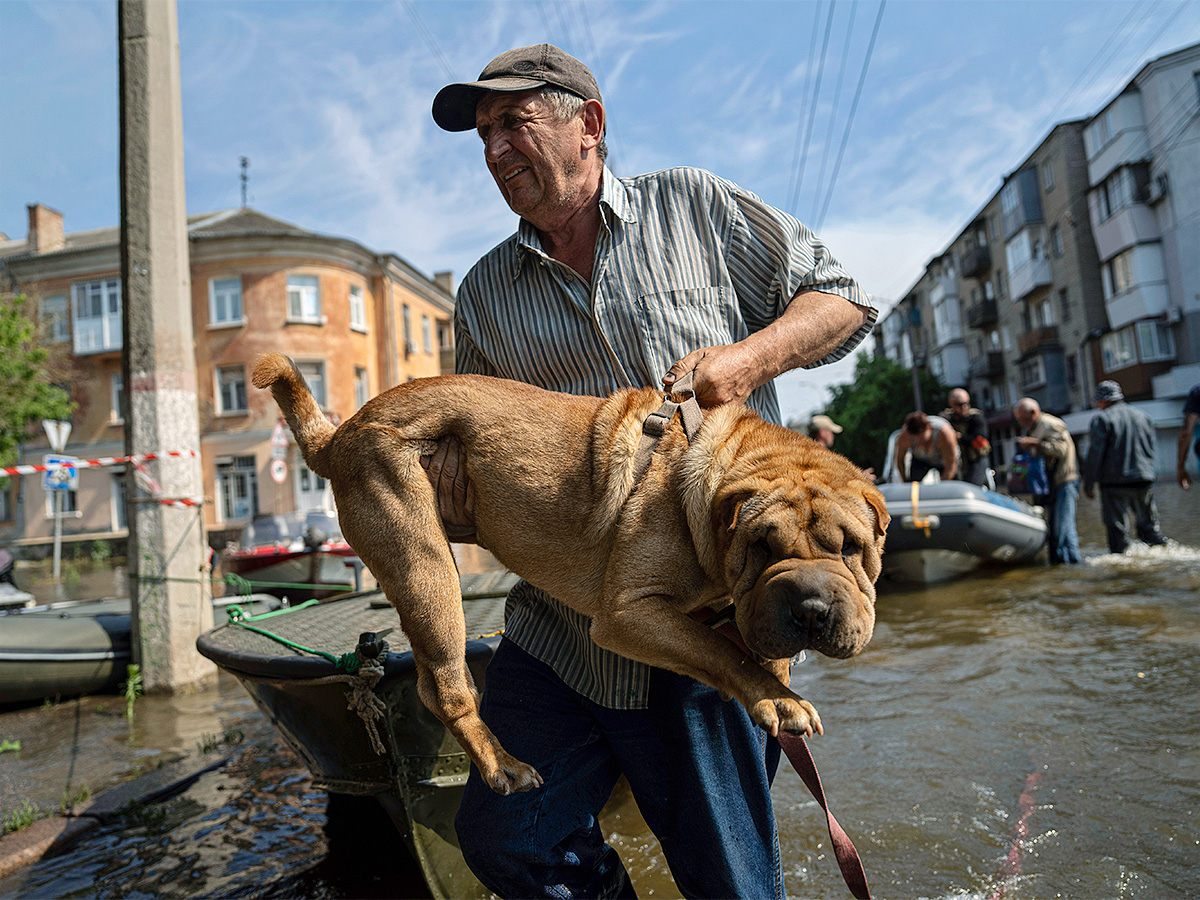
(1116, 501)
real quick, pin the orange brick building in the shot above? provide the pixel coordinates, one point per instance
(355, 321)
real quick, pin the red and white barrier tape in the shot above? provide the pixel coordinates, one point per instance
(89, 463)
(140, 470)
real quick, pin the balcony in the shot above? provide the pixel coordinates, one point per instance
(1028, 278)
(1135, 224)
(990, 365)
(976, 261)
(944, 287)
(1039, 339)
(1142, 301)
(983, 314)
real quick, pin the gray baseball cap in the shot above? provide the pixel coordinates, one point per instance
(514, 70)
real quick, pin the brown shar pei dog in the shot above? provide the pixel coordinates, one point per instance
(747, 513)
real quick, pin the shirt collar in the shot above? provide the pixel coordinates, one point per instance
(614, 203)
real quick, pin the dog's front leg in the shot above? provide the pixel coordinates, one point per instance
(648, 628)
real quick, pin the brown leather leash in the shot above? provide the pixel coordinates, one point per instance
(793, 745)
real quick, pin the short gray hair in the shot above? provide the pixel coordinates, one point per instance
(567, 106)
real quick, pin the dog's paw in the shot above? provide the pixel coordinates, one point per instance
(787, 714)
(513, 777)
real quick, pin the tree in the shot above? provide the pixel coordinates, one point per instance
(874, 405)
(25, 384)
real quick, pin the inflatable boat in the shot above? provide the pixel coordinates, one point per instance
(945, 529)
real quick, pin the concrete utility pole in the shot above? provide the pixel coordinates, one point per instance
(166, 543)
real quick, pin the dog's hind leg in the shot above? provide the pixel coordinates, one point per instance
(402, 542)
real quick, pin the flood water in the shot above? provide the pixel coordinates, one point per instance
(1025, 734)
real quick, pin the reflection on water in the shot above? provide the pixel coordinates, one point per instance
(1020, 734)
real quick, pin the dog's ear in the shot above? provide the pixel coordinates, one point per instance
(882, 516)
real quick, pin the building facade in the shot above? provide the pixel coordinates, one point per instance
(1083, 267)
(356, 322)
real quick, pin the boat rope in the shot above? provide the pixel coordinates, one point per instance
(359, 670)
(918, 522)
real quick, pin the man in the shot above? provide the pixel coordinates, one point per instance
(1120, 458)
(610, 283)
(1047, 436)
(1189, 436)
(933, 445)
(822, 429)
(970, 427)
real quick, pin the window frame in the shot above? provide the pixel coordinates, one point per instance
(218, 297)
(239, 381)
(307, 291)
(357, 300)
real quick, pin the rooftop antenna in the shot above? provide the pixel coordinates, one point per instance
(245, 178)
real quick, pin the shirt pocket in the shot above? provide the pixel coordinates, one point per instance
(674, 323)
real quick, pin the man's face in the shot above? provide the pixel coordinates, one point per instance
(534, 157)
(1023, 416)
(825, 436)
(960, 402)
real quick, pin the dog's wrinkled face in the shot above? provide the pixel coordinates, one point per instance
(802, 560)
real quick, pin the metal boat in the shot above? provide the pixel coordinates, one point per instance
(299, 555)
(366, 732)
(945, 529)
(74, 647)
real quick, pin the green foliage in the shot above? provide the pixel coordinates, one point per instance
(874, 405)
(132, 688)
(21, 817)
(24, 383)
(73, 798)
(100, 551)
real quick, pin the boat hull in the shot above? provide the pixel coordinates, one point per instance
(420, 775)
(948, 529)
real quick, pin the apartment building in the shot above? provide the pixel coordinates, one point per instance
(355, 321)
(1084, 266)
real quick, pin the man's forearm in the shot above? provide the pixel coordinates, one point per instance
(814, 325)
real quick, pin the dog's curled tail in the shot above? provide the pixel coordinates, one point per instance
(309, 424)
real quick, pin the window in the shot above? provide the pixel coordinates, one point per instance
(362, 389)
(304, 298)
(1117, 191)
(1072, 370)
(1043, 314)
(1155, 341)
(117, 497)
(1056, 241)
(1117, 350)
(1033, 372)
(237, 480)
(445, 337)
(116, 394)
(1048, 177)
(97, 316)
(55, 327)
(410, 346)
(69, 507)
(231, 389)
(1009, 197)
(1117, 274)
(989, 292)
(1064, 305)
(1000, 285)
(6, 510)
(358, 308)
(427, 333)
(225, 301)
(314, 376)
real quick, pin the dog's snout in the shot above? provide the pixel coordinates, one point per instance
(810, 614)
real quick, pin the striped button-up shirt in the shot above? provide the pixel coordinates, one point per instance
(684, 260)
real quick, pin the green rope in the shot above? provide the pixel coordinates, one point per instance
(347, 662)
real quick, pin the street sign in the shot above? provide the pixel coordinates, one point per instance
(279, 471)
(56, 433)
(65, 477)
(279, 442)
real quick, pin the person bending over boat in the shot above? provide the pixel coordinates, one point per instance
(933, 444)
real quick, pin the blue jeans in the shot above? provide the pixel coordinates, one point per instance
(700, 770)
(1063, 537)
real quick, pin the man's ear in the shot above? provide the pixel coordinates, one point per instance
(592, 116)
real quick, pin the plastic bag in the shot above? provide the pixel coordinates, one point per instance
(1027, 475)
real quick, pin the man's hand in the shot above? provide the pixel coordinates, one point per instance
(721, 374)
(1028, 443)
(1181, 476)
(447, 471)
(1090, 493)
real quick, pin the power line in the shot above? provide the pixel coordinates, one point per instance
(837, 94)
(862, 78)
(428, 38)
(812, 109)
(812, 54)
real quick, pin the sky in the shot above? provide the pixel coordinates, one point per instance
(330, 102)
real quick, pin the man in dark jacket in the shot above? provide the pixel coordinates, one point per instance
(971, 427)
(1120, 459)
